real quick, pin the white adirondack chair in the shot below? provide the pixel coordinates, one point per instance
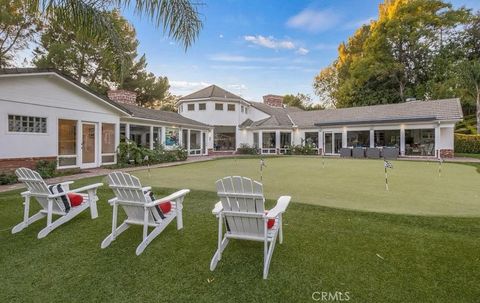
(52, 203)
(241, 209)
(130, 195)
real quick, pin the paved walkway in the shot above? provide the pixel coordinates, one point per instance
(94, 172)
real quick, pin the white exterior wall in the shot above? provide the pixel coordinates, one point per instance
(53, 98)
(211, 116)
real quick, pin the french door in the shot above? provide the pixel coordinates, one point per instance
(332, 142)
(89, 138)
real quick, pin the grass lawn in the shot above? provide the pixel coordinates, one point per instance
(415, 187)
(375, 257)
(476, 156)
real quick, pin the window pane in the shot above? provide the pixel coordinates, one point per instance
(27, 124)
(218, 106)
(67, 161)
(311, 138)
(255, 140)
(420, 142)
(108, 158)
(268, 140)
(171, 136)
(191, 107)
(388, 138)
(358, 138)
(285, 140)
(195, 139)
(108, 138)
(231, 107)
(67, 137)
(202, 106)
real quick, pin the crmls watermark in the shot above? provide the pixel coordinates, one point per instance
(328, 296)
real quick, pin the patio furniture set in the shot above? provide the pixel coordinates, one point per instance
(390, 153)
(241, 210)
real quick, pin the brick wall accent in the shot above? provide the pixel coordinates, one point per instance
(123, 96)
(446, 153)
(273, 100)
(10, 164)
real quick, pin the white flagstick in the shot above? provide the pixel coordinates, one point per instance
(262, 164)
(386, 165)
(440, 161)
(148, 165)
(323, 160)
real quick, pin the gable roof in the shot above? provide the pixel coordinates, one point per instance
(212, 92)
(32, 71)
(279, 116)
(132, 111)
(414, 111)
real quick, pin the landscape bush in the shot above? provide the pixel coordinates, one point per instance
(246, 149)
(307, 149)
(469, 144)
(46, 168)
(129, 153)
(7, 178)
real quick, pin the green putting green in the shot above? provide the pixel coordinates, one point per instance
(415, 188)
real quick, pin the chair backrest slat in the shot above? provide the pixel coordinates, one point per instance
(242, 195)
(127, 188)
(38, 188)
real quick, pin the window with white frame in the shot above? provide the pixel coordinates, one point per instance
(218, 106)
(202, 106)
(231, 107)
(67, 142)
(108, 143)
(191, 107)
(27, 124)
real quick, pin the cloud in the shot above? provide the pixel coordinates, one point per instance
(302, 51)
(270, 42)
(314, 20)
(238, 58)
(187, 86)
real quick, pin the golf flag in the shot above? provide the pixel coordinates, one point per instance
(440, 161)
(262, 165)
(387, 164)
(148, 164)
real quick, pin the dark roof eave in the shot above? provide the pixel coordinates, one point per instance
(379, 121)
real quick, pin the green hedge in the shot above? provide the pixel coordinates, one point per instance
(129, 153)
(469, 144)
(246, 149)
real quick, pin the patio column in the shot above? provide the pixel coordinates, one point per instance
(127, 131)
(151, 137)
(402, 140)
(372, 138)
(437, 140)
(188, 141)
(201, 142)
(320, 142)
(163, 135)
(260, 141)
(344, 137)
(277, 140)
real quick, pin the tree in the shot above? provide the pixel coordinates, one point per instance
(325, 84)
(411, 50)
(91, 59)
(149, 88)
(470, 73)
(18, 24)
(178, 18)
(302, 101)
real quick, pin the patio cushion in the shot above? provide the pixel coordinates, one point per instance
(165, 207)
(62, 200)
(270, 222)
(75, 199)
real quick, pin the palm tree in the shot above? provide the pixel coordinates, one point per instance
(179, 19)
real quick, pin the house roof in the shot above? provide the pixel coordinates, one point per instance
(132, 111)
(212, 92)
(160, 115)
(279, 116)
(20, 71)
(435, 110)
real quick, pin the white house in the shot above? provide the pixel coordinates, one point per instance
(45, 114)
(415, 128)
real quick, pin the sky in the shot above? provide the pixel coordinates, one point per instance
(257, 47)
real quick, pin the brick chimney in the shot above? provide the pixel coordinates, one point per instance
(122, 96)
(273, 100)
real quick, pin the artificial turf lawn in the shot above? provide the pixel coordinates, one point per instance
(415, 187)
(374, 257)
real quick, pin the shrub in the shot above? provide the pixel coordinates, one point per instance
(246, 149)
(7, 178)
(308, 149)
(469, 144)
(129, 153)
(46, 169)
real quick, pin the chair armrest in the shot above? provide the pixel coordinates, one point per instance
(282, 204)
(67, 182)
(179, 194)
(113, 200)
(25, 193)
(86, 188)
(146, 188)
(218, 208)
